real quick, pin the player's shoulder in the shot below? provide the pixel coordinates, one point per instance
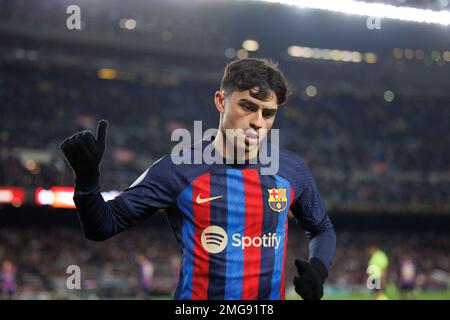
(175, 160)
(290, 160)
(294, 169)
(161, 166)
(162, 171)
(181, 163)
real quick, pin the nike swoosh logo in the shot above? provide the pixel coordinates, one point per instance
(199, 200)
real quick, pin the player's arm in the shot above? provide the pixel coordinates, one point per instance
(309, 209)
(101, 219)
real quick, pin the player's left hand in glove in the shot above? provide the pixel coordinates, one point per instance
(309, 283)
(84, 154)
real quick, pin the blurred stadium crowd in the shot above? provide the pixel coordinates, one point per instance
(390, 158)
(110, 269)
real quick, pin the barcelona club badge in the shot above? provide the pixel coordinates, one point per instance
(277, 199)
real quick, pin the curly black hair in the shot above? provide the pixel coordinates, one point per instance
(261, 74)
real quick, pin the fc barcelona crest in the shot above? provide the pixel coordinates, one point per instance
(277, 199)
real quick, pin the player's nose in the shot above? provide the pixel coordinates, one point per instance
(257, 120)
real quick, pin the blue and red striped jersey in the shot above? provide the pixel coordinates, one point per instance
(230, 221)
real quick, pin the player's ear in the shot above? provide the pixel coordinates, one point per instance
(219, 100)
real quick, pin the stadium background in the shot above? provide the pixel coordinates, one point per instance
(369, 112)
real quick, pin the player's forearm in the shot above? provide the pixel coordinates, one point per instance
(322, 244)
(99, 219)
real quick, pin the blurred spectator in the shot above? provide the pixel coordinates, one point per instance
(8, 277)
(147, 271)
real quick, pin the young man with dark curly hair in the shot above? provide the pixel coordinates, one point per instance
(230, 219)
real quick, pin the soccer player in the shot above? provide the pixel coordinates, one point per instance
(230, 220)
(408, 277)
(147, 271)
(380, 260)
(8, 276)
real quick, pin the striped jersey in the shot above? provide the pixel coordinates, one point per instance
(230, 220)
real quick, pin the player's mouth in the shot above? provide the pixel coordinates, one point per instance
(251, 136)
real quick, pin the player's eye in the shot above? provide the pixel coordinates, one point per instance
(247, 107)
(269, 113)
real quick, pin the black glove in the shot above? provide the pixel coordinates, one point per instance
(312, 277)
(84, 154)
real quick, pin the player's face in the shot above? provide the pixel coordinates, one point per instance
(254, 117)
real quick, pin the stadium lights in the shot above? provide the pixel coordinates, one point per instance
(420, 55)
(328, 54)
(230, 53)
(397, 53)
(311, 91)
(12, 195)
(370, 57)
(436, 55)
(439, 57)
(32, 166)
(62, 196)
(379, 10)
(446, 56)
(250, 45)
(389, 96)
(57, 197)
(107, 73)
(129, 24)
(242, 54)
(409, 54)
